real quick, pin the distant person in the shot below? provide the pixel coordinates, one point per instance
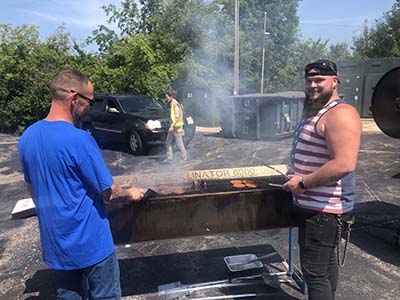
(324, 158)
(70, 183)
(287, 121)
(175, 130)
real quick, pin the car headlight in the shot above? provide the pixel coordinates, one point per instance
(153, 124)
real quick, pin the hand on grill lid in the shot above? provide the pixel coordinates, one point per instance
(136, 194)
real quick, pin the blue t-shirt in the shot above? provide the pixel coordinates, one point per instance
(67, 173)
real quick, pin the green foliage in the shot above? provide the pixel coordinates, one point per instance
(381, 40)
(26, 68)
(154, 42)
(134, 66)
(339, 51)
(305, 52)
(103, 37)
(19, 52)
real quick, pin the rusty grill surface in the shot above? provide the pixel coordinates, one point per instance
(203, 207)
(215, 186)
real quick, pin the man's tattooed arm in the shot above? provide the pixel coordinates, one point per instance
(114, 193)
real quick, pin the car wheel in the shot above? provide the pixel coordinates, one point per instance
(135, 143)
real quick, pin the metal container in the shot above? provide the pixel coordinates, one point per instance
(258, 116)
(242, 262)
(360, 77)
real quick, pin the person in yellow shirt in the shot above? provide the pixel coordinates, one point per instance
(175, 130)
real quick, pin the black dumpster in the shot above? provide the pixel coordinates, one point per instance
(259, 116)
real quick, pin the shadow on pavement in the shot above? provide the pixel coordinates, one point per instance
(41, 284)
(143, 275)
(376, 228)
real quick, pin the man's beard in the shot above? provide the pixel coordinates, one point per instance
(77, 120)
(311, 106)
(77, 115)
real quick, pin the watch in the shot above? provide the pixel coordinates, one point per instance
(301, 183)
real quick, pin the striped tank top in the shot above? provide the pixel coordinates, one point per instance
(309, 153)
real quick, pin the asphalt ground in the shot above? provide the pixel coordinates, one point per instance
(372, 269)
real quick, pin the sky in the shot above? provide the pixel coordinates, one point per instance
(335, 21)
(339, 20)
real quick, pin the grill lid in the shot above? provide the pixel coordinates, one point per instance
(386, 103)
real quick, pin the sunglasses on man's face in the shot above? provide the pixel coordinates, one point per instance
(88, 100)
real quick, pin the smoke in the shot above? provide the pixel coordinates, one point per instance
(208, 72)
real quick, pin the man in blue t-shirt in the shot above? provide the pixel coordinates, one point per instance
(70, 183)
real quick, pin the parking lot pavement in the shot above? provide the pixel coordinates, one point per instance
(372, 269)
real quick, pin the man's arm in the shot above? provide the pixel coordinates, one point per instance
(341, 128)
(115, 192)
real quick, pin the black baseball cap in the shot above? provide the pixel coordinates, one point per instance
(323, 67)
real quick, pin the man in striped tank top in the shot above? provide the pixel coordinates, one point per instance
(324, 158)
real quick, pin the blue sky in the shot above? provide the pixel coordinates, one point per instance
(336, 21)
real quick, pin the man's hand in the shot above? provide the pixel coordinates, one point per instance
(292, 184)
(115, 192)
(135, 193)
(170, 129)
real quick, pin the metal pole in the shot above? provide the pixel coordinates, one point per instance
(291, 250)
(236, 52)
(263, 54)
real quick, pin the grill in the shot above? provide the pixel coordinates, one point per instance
(202, 202)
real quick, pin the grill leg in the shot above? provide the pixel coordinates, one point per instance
(292, 273)
(291, 250)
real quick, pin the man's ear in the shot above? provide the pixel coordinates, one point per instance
(74, 97)
(336, 84)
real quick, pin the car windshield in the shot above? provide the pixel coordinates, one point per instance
(135, 103)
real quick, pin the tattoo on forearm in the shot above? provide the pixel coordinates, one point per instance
(115, 193)
(316, 182)
(118, 193)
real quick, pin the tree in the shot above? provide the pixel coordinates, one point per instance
(20, 77)
(382, 39)
(282, 23)
(27, 66)
(154, 42)
(339, 51)
(304, 52)
(133, 66)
